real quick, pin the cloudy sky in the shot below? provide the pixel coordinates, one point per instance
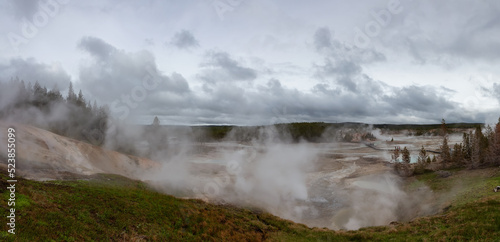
(263, 61)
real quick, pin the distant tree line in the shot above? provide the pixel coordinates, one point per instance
(478, 149)
(72, 116)
(323, 132)
(423, 129)
(287, 132)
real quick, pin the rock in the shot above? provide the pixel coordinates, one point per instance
(445, 209)
(394, 223)
(443, 174)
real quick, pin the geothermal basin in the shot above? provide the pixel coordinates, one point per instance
(334, 185)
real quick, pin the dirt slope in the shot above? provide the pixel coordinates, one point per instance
(44, 155)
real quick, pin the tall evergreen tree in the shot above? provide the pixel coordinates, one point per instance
(457, 155)
(71, 98)
(479, 148)
(29, 88)
(444, 129)
(445, 155)
(156, 121)
(54, 94)
(23, 94)
(80, 101)
(396, 154)
(40, 98)
(422, 161)
(405, 154)
(494, 146)
(406, 166)
(94, 107)
(467, 148)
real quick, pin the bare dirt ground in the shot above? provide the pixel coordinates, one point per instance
(42, 155)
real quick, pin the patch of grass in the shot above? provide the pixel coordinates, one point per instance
(21, 202)
(463, 186)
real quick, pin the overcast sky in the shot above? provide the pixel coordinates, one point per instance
(263, 61)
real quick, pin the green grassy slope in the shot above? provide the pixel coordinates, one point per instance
(111, 207)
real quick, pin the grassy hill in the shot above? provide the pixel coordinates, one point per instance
(112, 207)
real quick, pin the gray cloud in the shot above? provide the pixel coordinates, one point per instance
(149, 42)
(219, 66)
(418, 99)
(96, 47)
(494, 91)
(342, 71)
(251, 69)
(25, 8)
(342, 63)
(184, 40)
(30, 70)
(125, 79)
(425, 104)
(496, 88)
(274, 102)
(326, 44)
(325, 89)
(478, 37)
(351, 96)
(322, 39)
(470, 30)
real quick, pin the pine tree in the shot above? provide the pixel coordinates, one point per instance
(29, 88)
(444, 130)
(445, 155)
(54, 95)
(37, 89)
(40, 98)
(396, 154)
(474, 157)
(422, 161)
(406, 155)
(489, 133)
(479, 148)
(494, 146)
(80, 101)
(24, 95)
(466, 148)
(71, 98)
(23, 92)
(156, 121)
(406, 166)
(94, 107)
(395, 157)
(457, 155)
